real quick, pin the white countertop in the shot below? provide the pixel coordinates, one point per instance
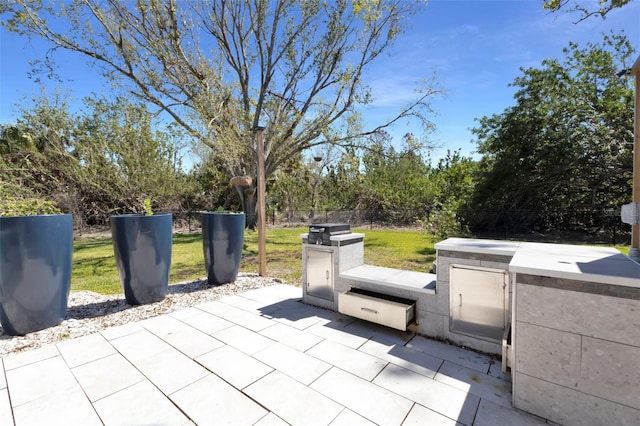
(389, 277)
(472, 245)
(584, 263)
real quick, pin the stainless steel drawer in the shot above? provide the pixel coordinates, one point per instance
(380, 308)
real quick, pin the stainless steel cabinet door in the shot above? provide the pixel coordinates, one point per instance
(320, 273)
(478, 301)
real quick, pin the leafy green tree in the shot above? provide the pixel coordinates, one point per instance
(565, 144)
(125, 155)
(453, 183)
(342, 184)
(585, 9)
(396, 183)
(221, 68)
(105, 160)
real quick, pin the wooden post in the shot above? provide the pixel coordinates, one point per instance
(634, 252)
(262, 207)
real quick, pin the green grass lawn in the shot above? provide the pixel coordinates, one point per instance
(94, 266)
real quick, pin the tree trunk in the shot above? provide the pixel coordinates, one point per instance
(250, 207)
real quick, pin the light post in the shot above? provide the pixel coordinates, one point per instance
(262, 209)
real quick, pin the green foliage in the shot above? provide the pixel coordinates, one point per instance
(93, 164)
(219, 69)
(566, 144)
(453, 180)
(602, 8)
(396, 182)
(147, 207)
(444, 222)
(11, 205)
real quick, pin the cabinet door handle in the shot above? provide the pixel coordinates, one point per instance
(327, 273)
(373, 311)
(460, 300)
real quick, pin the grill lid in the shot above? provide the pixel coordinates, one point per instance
(330, 228)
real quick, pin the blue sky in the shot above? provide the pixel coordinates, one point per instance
(476, 48)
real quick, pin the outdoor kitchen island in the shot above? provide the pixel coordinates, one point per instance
(575, 322)
(569, 317)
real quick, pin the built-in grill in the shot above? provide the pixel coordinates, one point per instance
(321, 233)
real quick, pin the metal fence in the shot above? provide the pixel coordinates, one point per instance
(579, 225)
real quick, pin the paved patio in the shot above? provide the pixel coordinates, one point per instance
(258, 358)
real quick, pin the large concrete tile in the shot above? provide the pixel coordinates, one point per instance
(337, 334)
(274, 293)
(413, 360)
(301, 321)
(291, 308)
(203, 321)
(250, 320)
(33, 381)
(471, 381)
(457, 355)
(212, 401)
(240, 302)
(171, 370)
(6, 416)
(64, 407)
(419, 416)
(139, 345)
(21, 359)
(185, 313)
(106, 376)
(3, 380)
(140, 404)
(608, 316)
(495, 370)
(271, 420)
(291, 336)
(233, 299)
(568, 406)
(490, 414)
(349, 418)
(295, 364)
(359, 363)
(244, 340)
(214, 307)
(85, 349)
(371, 401)
(379, 333)
(234, 366)
(610, 370)
(181, 336)
(549, 354)
(292, 401)
(437, 396)
(121, 330)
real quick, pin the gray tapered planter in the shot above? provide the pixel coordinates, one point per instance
(222, 243)
(142, 247)
(35, 271)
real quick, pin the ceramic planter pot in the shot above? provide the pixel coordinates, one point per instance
(142, 247)
(35, 271)
(222, 243)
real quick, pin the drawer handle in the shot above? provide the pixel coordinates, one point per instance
(373, 311)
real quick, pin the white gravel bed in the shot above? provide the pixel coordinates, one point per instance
(89, 312)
